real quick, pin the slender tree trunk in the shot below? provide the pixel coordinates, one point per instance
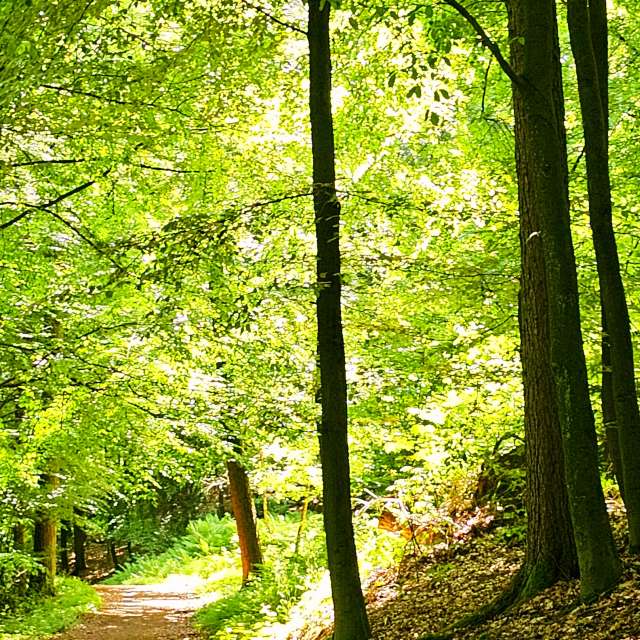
(542, 181)
(44, 548)
(586, 34)
(64, 546)
(19, 537)
(79, 550)
(38, 537)
(609, 422)
(242, 507)
(113, 554)
(303, 524)
(350, 616)
(600, 42)
(50, 531)
(266, 516)
(221, 508)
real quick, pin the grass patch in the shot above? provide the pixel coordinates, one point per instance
(41, 618)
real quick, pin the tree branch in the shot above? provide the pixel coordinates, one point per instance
(487, 41)
(150, 412)
(18, 347)
(34, 162)
(282, 23)
(19, 217)
(172, 170)
(102, 328)
(98, 96)
(46, 205)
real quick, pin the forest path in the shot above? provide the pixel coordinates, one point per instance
(143, 612)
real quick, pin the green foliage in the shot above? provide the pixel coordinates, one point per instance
(266, 599)
(164, 307)
(513, 529)
(206, 546)
(40, 618)
(209, 550)
(270, 595)
(377, 549)
(17, 574)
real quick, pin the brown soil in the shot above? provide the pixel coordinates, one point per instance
(147, 612)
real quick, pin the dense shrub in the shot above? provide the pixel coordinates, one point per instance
(19, 573)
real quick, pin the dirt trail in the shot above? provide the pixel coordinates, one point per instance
(142, 612)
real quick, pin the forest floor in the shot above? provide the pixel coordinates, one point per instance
(142, 612)
(426, 593)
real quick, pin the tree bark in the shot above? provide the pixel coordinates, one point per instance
(19, 537)
(350, 616)
(609, 422)
(113, 554)
(45, 538)
(79, 550)
(550, 553)
(542, 182)
(64, 545)
(242, 507)
(45, 549)
(587, 30)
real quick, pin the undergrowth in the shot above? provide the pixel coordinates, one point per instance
(209, 550)
(206, 548)
(242, 613)
(38, 618)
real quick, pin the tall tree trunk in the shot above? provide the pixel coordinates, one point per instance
(242, 507)
(551, 552)
(19, 537)
(586, 34)
(65, 529)
(350, 616)
(609, 422)
(45, 538)
(45, 549)
(79, 550)
(542, 182)
(112, 550)
(50, 531)
(38, 537)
